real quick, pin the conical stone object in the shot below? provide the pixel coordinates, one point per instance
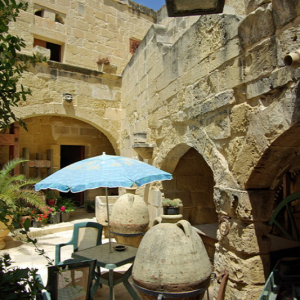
(172, 258)
(129, 219)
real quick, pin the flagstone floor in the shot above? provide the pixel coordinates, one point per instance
(24, 255)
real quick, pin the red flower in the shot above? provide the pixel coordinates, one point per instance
(62, 209)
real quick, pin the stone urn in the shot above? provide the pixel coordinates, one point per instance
(129, 219)
(4, 231)
(171, 258)
(101, 211)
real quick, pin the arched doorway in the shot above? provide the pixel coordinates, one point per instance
(193, 183)
(73, 138)
(278, 170)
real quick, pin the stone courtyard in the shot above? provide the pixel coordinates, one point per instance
(209, 99)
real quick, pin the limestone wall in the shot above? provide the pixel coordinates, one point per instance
(86, 30)
(222, 89)
(95, 97)
(50, 132)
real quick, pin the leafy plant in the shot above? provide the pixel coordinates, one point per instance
(51, 194)
(12, 63)
(17, 283)
(40, 216)
(89, 205)
(17, 191)
(166, 202)
(65, 204)
(173, 203)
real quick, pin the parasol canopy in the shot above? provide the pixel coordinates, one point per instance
(102, 171)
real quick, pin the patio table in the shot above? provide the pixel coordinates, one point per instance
(111, 261)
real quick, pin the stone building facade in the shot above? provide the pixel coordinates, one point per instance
(208, 99)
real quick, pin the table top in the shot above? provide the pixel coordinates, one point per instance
(105, 258)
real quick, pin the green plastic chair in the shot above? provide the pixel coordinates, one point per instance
(76, 280)
(85, 235)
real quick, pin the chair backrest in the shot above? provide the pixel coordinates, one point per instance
(71, 281)
(86, 235)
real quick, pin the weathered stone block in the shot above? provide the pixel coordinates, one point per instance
(256, 26)
(260, 60)
(258, 87)
(239, 120)
(285, 11)
(251, 206)
(256, 205)
(238, 291)
(245, 238)
(242, 269)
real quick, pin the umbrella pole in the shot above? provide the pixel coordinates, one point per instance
(108, 224)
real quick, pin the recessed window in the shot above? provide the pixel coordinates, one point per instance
(40, 13)
(55, 49)
(133, 45)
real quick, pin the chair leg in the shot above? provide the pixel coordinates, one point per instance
(99, 274)
(128, 286)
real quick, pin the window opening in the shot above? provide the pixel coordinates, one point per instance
(40, 13)
(55, 49)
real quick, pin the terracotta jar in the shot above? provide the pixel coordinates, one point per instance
(172, 258)
(23, 219)
(129, 218)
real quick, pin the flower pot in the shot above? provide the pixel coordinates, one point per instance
(55, 218)
(51, 202)
(23, 219)
(169, 210)
(64, 216)
(37, 224)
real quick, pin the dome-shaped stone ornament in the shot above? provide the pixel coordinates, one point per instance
(129, 219)
(172, 258)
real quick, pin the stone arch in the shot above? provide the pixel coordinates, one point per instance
(271, 137)
(278, 171)
(109, 127)
(280, 157)
(169, 154)
(95, 134)
(193, 183)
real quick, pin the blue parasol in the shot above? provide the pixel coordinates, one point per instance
(102, 171)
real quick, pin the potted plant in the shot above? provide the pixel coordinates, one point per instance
(171, 207)
(51, 197)
(65, 206)
(89, 206)
(24, 213)
(54, 215)
(17, 190)
(39, 218)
